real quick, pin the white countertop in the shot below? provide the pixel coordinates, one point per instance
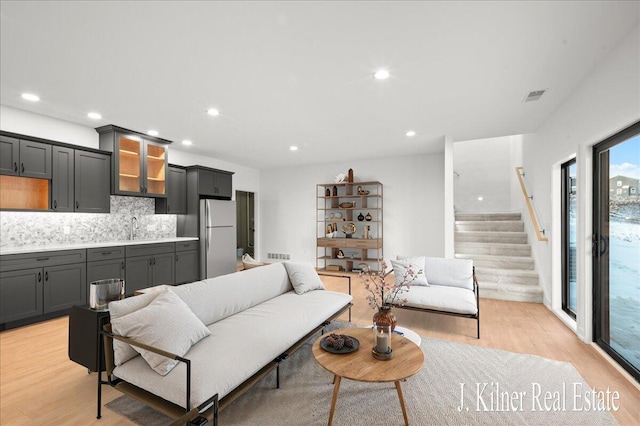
(87, 245)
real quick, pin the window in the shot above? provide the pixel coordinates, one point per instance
(619, 191)
(569, 231)
(619, 183)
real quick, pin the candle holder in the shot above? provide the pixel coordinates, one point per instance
(382, 342)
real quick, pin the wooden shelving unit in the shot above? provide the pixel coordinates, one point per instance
(362, 247)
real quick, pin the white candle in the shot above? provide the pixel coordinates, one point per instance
(382, 342)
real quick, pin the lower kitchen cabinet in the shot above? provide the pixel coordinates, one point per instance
(20, 294)
(58, 282)
(187, 266)
(105, 270)
(149, 265)
(64, 287)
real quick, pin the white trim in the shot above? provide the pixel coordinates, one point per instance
(449, 199)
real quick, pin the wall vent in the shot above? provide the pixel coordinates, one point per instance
(279, 256)
(534, 96)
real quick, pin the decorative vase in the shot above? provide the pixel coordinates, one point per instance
(350, 175)
(335, 191)
(368, 217)
(360, 217)
(327, 192)
(385, 317)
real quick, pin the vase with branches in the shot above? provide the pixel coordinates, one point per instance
(384, 292)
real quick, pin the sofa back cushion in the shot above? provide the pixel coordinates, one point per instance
(214, 299)
(449, 272)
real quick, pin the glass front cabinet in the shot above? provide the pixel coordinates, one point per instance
(139, 164)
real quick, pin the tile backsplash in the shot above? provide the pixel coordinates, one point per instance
(18, 229)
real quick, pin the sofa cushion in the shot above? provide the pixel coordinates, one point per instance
(239, 346)
(123, 352)
(410, 270)
(303, 277)
(442, 298)
(217, 298)
(166, 323)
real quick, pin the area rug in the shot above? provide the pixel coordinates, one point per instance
(458, 385)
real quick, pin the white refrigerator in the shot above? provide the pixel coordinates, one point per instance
(217, 238)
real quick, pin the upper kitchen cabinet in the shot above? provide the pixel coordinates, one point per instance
(24, 158)
(92, 182)
(139, 165)
(212, 183)
(176, 201)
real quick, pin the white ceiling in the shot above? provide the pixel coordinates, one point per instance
(300, 73)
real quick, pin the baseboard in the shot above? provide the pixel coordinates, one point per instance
(617, 366)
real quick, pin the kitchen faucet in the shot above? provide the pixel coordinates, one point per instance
(134, 228)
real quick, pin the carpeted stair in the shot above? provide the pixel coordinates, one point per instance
(498, 246)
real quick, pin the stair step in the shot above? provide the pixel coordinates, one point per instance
(502, 262)
(491, 237)
(488, 216)
(503, 249)
(490, 225)
(511, 291)
(515, 276)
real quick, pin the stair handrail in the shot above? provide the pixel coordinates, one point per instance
(540, 232)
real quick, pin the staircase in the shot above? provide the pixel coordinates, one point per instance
(498, 246)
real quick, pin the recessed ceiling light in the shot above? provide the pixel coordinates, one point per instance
(293, 148)
(30, 97)
(94, 115)
(480, 198)
(410, 133)
(152, 132)
(213, 112)
(381, 74)
(187, 142)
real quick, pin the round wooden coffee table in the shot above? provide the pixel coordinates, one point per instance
(362, 366)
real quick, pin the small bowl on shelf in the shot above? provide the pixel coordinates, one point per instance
(329, 235)
(347, 205)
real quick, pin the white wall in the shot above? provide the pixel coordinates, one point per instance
(607, 101)
(413, 205)
(485, 168)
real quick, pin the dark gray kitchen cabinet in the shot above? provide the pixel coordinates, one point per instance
(62, 179)
(25, 158)
(20, 294)
(211, 183)
(105, 263)
(64, 286)
(139, 164)
(92, 182)
(148, 265)
(33, 284)
(186, 262)
(176, 201)
(9, 155)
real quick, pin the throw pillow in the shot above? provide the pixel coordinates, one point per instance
(303, 277)
(412, 269)
(166, 323)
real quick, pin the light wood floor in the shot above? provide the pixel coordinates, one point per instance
(40, 385)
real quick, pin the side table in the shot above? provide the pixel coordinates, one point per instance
(84, 324)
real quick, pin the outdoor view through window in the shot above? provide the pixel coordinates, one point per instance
(624, 249)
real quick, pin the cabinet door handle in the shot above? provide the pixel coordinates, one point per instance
(46, 276)
(15, 167)
(77, 204)
(150, 261)
(122, 265)
(55, 204)
(42, 259)
(176, 257)
(22, 167)
(168, 208)
(154, 260)
(39, 276)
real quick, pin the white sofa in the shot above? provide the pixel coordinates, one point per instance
(253, 319)
(447, 286)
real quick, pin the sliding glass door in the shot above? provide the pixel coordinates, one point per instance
(569, 232)
(616, 247)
